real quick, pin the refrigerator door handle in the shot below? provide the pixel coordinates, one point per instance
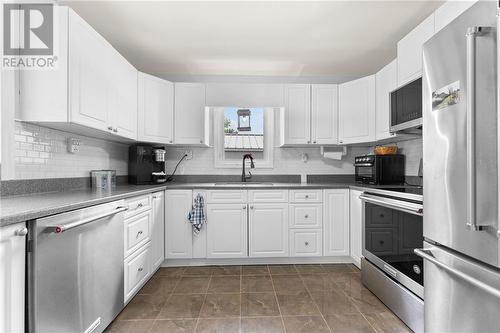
(471, 35)
(427, 255)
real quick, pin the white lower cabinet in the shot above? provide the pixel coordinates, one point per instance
(12, 269)
(158, 230)
(178, 230)
(356, 218)
(268, 230)
(336, 222)
(306, 243)
(227, 231)
(137, 269)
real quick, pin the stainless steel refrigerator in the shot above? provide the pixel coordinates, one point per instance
(461, 216)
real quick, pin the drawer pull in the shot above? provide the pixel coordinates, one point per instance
(306, 216)
(307, 243)
(140, 269)
(139, 233)
(307, 196)
(251, 207)
(139, 205)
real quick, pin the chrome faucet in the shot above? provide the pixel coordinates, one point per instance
(244, 176)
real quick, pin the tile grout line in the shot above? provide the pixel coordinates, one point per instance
(277, 301)
(203, 303)
(317, 306)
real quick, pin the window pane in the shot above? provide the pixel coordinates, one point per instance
(243, 129)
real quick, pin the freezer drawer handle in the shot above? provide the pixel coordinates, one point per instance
(57, 229)
(427, 255)
(471, 35)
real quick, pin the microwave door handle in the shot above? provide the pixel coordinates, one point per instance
(57, 229)
(389, 203)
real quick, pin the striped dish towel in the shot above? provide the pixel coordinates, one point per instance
(197, 214)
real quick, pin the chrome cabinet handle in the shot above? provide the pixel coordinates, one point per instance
(140, 204)
(314, 141)
(307, 243)
(115, 130)
(110, 128)
(307, 197)
(201, 141)
(427, 255)
(251, 207)
(139, 233)
(244, 207)
(57, 229)
(140, 269)
(306, 216)
(471, 35)
(21, 232)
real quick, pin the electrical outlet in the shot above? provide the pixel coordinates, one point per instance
(189, 154)
(73, 145)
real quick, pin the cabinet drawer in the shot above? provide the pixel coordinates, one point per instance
(137, 232)
(226, 196)
(306, 215)
(137, 205)
(306, 196)
(136, 270)
(268, 196)
(306, 243)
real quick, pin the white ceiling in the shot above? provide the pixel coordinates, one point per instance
(282, 39)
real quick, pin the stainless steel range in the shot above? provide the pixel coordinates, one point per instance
(392, 229)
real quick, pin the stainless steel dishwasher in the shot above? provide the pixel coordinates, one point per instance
(75, 270)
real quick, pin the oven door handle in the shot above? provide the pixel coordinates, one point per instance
(363, 164)
(402, 206)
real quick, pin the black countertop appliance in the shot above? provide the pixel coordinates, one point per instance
(380, 169)
(146, 165)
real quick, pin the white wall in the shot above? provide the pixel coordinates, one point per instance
(41, 152)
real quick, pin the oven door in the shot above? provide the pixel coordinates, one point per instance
(365, 173)
(392, 229)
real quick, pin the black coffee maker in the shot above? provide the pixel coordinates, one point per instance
(146, 165)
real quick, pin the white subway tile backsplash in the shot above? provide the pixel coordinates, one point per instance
(41, 153)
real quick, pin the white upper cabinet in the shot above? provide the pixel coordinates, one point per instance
(190, 123)
(357, 111)
(123, 97)
(449, 11)
(155, 120)
(386, 81)
(324, 114)
(296, 117)
(410, 51)
(92, 91)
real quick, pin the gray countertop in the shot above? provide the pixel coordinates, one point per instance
(21, 208)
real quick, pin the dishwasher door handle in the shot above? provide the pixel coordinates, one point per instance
(57, 229)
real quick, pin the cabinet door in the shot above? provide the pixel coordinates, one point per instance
(268, 228)
(356, 218)
(178, 230)
(357, 111)
(226, 231)
(155, 120)
(12, 255)
(189, 111)
(386, 81)
(410, 51)
(122, 97)
(158, 230)
(296, 120)
(88, 75)
(324, 114)
(336, 222)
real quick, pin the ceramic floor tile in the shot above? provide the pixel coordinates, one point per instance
(298, 304)
(224, 284)
(171, 271)
(366, 302)
(259, 304)
(252, 284)
(350, 284)
(288, 284)
(262, 325)
(174, 326)
(310, 269)
(305, 324)
(319, 282)
(283, 269)
(221, 305)
(387, 322)
(192, 285)
(130, 326)
(333, 302)
(226, 270)
(143, 307)
(218, 325)
(198, 271)
(337, 268)
(255, 270)
(182, 306)
(160, 284)
(348, 323)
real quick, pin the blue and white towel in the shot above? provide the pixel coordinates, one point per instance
(197, 214)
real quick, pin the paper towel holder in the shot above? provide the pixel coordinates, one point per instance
(333, 152)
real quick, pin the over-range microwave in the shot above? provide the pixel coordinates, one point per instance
(406, 107)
